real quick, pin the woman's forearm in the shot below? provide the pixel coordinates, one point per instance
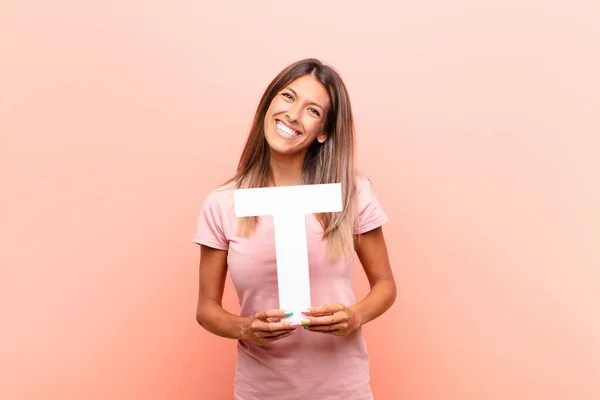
(378, 300)
(215, 319)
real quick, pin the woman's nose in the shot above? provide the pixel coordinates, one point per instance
(293, 112)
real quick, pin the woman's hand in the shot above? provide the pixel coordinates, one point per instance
(265, 327)
(335, 319)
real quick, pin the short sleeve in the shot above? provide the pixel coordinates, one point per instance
(370, 213)
(209, 226)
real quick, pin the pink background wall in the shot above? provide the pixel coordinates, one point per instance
(477, 121)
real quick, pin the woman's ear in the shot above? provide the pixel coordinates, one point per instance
(322, 138)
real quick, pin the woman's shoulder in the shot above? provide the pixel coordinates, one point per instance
(370, 212)
(362, 180)
(364, 186)
(221, 195)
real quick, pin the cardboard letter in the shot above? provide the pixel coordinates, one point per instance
(289, 205)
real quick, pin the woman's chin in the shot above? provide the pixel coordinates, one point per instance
(283, 146)
(283, 150)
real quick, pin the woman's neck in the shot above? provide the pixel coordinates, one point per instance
(286, 170)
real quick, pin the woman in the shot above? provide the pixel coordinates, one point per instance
(302, 133)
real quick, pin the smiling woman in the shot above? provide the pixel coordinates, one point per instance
(296, 114)
(303, 133)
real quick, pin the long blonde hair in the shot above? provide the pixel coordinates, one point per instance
(330, 162)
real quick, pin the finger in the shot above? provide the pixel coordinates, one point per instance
(334, 333)
(261, 326)
(279, 337)
(341, 326)
(325, 309)
(316, 314)
(320, 314)
(326, 320)
(275, 313)
(275, 334)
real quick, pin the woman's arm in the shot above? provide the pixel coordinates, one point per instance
(337, 319)
(262, 328)
(210, 313)
(372, 253)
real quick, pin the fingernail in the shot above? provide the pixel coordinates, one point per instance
(305, 321)
(295, 325)
(288, 313)
(306, 312)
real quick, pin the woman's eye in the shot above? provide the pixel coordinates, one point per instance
(312, 110)
(287, 95)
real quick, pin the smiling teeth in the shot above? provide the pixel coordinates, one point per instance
(285, 129)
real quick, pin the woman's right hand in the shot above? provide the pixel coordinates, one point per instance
(265, 327)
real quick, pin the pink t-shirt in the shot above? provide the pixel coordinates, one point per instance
(307, 364)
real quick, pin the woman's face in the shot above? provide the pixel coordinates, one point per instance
(296, 116)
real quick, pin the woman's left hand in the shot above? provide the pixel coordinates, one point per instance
(335, 319)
